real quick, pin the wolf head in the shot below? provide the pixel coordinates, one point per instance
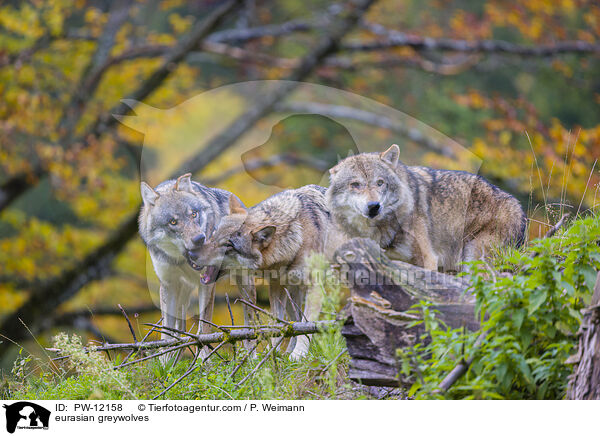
(246, 244)
(175, 219)
(216, 254)
(237, 242)
(368, 188)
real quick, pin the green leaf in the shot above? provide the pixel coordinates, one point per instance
(589, 274)
(567, 286)
(525, 370)
(501, 371)
(526, 337)
(518, 317)
(536, 301)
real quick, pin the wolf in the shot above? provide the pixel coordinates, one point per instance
(275, 237)
(427, 217)
(176, 217)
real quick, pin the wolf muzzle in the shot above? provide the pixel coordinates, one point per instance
(373, 209)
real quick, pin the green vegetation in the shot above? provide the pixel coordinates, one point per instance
(529, 303)
(320, 375)
(530, 318)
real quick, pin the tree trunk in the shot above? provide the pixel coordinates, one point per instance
(378, 317)
(584, 383)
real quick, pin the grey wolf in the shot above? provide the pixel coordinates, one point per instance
(275, 237)
(428, 217)
(176, 217)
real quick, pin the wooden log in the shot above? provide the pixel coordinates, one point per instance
(377, 315)
(584, 383)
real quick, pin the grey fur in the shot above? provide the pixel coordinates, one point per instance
(426, 216)
(173, 214)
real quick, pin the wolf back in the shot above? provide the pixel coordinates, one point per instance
(421, 215)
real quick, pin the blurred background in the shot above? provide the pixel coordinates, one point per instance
(507, 89)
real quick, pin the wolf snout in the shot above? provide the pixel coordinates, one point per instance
(191, 254)
(373, 208)
(192, 257)
(199, 239)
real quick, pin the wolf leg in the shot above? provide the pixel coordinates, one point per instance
(475, 250)
(173, 307)
(206, 301)
(277, 300)
(294, 310)
(421, 235)
(247, 290)
(312, 308)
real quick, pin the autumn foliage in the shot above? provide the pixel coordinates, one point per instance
(515, 83)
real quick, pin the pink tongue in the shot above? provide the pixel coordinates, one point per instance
(209, 274)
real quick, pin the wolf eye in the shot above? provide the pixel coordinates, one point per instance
(355, 185)
(379, 182)
(173, 222)
(194, 214)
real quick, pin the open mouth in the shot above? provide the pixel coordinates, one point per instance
(208, 273)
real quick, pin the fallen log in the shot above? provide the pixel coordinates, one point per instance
(378, 317)
(228, 334)
(584, 383)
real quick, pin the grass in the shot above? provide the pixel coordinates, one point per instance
(321, 374)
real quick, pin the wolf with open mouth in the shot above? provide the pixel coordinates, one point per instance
(274, 238)
(176, 218)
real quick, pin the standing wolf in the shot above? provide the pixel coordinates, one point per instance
(420, 215)
(274, 237)
(177, 217)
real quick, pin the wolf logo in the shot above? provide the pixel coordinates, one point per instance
(29, 415)
(275, 237)
(177, 217)
(427, 217)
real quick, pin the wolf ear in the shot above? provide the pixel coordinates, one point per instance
(391, 155)
(236, 206)
(149, 195)
(184, 183)
(264, 235)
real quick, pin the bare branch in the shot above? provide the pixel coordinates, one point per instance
(461, 368)
(398, 39)
(276, 330)
(251, 33)
(191, 369)
(269, 162)
(92, 74)
(297, 309)
(151, 356)
(326, 46)
(174, 56)
(128, 323)
(441, 68)
(18, 58)
(237, 368)
(414, 135)
(557, 226)
(260, 364)
(259, 309)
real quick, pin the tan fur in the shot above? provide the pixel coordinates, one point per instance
(431, 218)
(275, 237)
